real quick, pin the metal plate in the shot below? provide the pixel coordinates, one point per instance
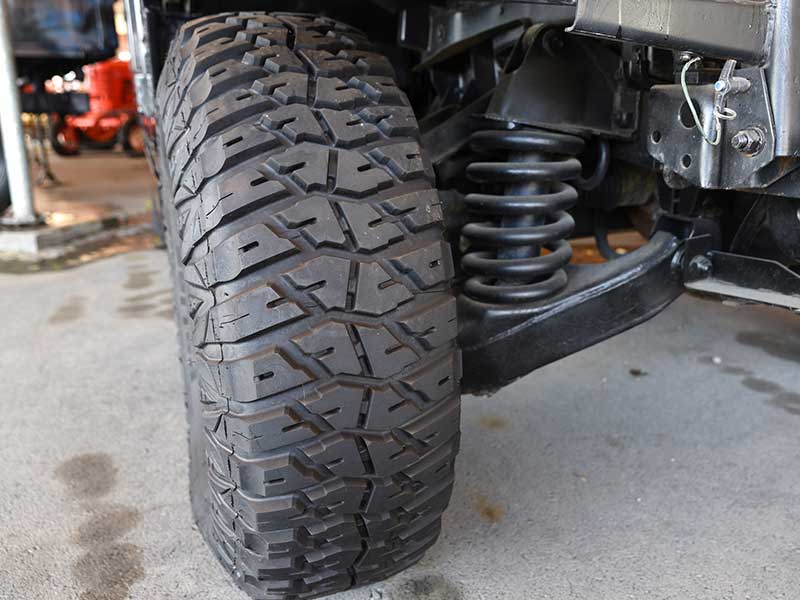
(451, 31)
(738, 29)
(750, 279)
(575, 90)
(680, 147)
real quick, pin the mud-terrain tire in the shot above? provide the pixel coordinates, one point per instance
(313, 297)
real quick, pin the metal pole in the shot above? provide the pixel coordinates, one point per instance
(783, 71)
(19, 177)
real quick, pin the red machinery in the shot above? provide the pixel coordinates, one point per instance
(111, 117)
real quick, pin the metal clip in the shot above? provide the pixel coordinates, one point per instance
(725, 85)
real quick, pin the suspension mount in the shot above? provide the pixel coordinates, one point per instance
(503, 343)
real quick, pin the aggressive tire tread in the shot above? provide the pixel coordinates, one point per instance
(316, 320)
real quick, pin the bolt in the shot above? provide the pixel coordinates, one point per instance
(701, 267)
(748, 141)
(721, 86)
(441, 32)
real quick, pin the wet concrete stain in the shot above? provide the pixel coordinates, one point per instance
(491, 512)
(780, 397)
(149, 296)
(107, 572)
(83, 253)
(787, 401)
(614, 442)
(88, 475)
(71, 310)
(729, 370)
(139, 279)
(762, 386)
(105, 524)
(167, 313)
(493, 423)
(427, 587)
(786, 346)
(135, 309)
(148, 305)
(108, 567)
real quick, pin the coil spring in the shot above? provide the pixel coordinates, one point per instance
(504, 258)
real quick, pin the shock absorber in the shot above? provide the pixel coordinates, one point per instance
(504, 257)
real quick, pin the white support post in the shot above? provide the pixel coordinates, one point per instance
(19, 177)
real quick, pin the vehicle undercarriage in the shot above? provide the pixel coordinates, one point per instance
(538, 122)
(548, 82)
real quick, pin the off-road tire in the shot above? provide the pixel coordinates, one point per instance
(313, 298)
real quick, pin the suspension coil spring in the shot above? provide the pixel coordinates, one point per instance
(504, 257)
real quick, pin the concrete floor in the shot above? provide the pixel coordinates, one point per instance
(94, 185)
(662, 464)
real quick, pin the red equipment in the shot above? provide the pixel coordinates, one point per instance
(112, 113)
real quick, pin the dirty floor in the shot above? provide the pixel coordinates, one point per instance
(94, 185)
(663, 464)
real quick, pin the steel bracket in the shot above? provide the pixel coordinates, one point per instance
(576, 87)
(674, 140)
(440, 33)
(745, 278)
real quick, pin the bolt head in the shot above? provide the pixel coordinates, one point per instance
(701, 267)
(721, 86)
(748, 141)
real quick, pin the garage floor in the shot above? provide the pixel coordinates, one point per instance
(663, 464)
(95, 185)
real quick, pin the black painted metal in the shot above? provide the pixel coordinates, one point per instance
(68, 103)
(450, 31)
(570, 84)
(444, 140)
(502, 344)
(504, 258)
(783, 221)
(745, 278)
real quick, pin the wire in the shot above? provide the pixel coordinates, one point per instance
(726, 114)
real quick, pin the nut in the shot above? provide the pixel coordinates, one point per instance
(700, 267)
(748, 141)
